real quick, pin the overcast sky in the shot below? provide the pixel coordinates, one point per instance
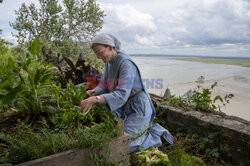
(185, 27)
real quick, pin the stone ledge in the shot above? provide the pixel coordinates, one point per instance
(230, 122)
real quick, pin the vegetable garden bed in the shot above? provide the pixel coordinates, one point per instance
(118, 149)
(39, 117)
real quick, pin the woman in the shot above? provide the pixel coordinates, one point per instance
(122, 90)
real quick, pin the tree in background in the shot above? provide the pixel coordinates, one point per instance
(76, 19)
(60, 26)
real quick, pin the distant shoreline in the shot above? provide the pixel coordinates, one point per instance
(189, 56)
(237, 61)
(226, 61)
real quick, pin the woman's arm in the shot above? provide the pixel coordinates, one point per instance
(127, 75)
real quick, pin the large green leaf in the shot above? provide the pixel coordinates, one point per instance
(11, 64)
(37, 76)
(35, 47)
(12, 93)
(5, 83)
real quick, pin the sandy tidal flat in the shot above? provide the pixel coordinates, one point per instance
(180, 76)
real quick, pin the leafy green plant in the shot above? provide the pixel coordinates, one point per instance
(50, 119)
(28, 143)
(35, 81)
(187, 160)
(176, 101)
(4, 46)
(24, 82)
(201, 99)
(8, 87)
(70, 128)
(206, 148)
(151, 156)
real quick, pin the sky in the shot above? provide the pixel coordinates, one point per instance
(184, 27)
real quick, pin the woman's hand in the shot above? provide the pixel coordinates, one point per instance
(87, 103)
(91, 93)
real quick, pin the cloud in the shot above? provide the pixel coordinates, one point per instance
(130, 25)
(193, 26)
(9, 37)
(208, 22)
(8, 7)
(143, 40)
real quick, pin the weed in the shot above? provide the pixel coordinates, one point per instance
(201, 99)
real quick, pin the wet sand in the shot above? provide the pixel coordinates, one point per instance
(180, 76)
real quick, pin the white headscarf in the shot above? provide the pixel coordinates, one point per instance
(107, 39)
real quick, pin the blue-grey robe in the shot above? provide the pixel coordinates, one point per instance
(120, 80)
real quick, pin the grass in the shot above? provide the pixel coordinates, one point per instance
(237, 62)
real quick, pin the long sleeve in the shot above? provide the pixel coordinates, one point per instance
(127, 75)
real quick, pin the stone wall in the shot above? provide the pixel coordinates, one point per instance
(232, 131)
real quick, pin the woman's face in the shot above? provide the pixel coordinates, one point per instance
(104, 53)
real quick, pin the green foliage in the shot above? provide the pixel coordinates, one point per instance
(97, 133)
(187, 160)
(29, 86)
(201, 100)
(35, 47)
(2, 137)
(176, 151)
(207, 147)
(204, 102)
(59, 24)
(35, 81)
(176, 155)
(9, 52)
(71, 49)
(72, 129)
(176, 101)
(25, 82)
(4, 47)
(28, 143)
(151, 156)
(9, 75)
(72, 95)
(195, 150)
